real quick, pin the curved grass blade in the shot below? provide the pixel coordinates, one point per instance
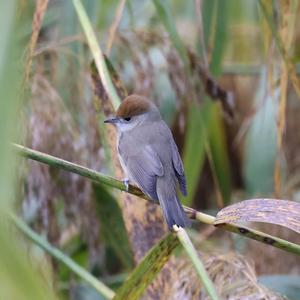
(217, 153)
(217, 150)
(194, 143)
(220, 36)
(147, 269)
(215, 16)
(208, 8)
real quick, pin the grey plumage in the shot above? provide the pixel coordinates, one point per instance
(152, 162)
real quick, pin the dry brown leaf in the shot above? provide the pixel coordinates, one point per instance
(274, 211)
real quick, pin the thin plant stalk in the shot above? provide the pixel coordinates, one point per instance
(97, 53)
(60, 256)
(193, 255)
(112, 182)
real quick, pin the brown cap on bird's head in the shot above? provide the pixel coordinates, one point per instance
(134, 105)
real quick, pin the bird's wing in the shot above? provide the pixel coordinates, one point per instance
(178, 167)
(144, 167)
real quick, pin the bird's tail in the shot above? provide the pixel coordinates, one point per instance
(172, 209)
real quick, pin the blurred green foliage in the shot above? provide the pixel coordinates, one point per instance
(18, 280)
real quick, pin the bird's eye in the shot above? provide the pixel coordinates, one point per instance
(127, 119)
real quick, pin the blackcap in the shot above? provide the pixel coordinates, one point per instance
(149, 156)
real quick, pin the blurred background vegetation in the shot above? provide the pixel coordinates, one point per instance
(223, 74)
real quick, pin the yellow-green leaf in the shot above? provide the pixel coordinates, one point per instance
(147, 269)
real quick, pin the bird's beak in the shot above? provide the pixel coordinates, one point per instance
(112, 120)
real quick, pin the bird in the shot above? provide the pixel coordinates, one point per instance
(149, 156)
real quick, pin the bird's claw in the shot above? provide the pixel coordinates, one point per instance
(126, 183)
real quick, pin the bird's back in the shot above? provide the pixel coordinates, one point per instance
(152, 162)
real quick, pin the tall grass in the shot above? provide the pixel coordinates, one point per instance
(18, 279)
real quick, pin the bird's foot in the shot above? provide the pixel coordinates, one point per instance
(126, 183)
